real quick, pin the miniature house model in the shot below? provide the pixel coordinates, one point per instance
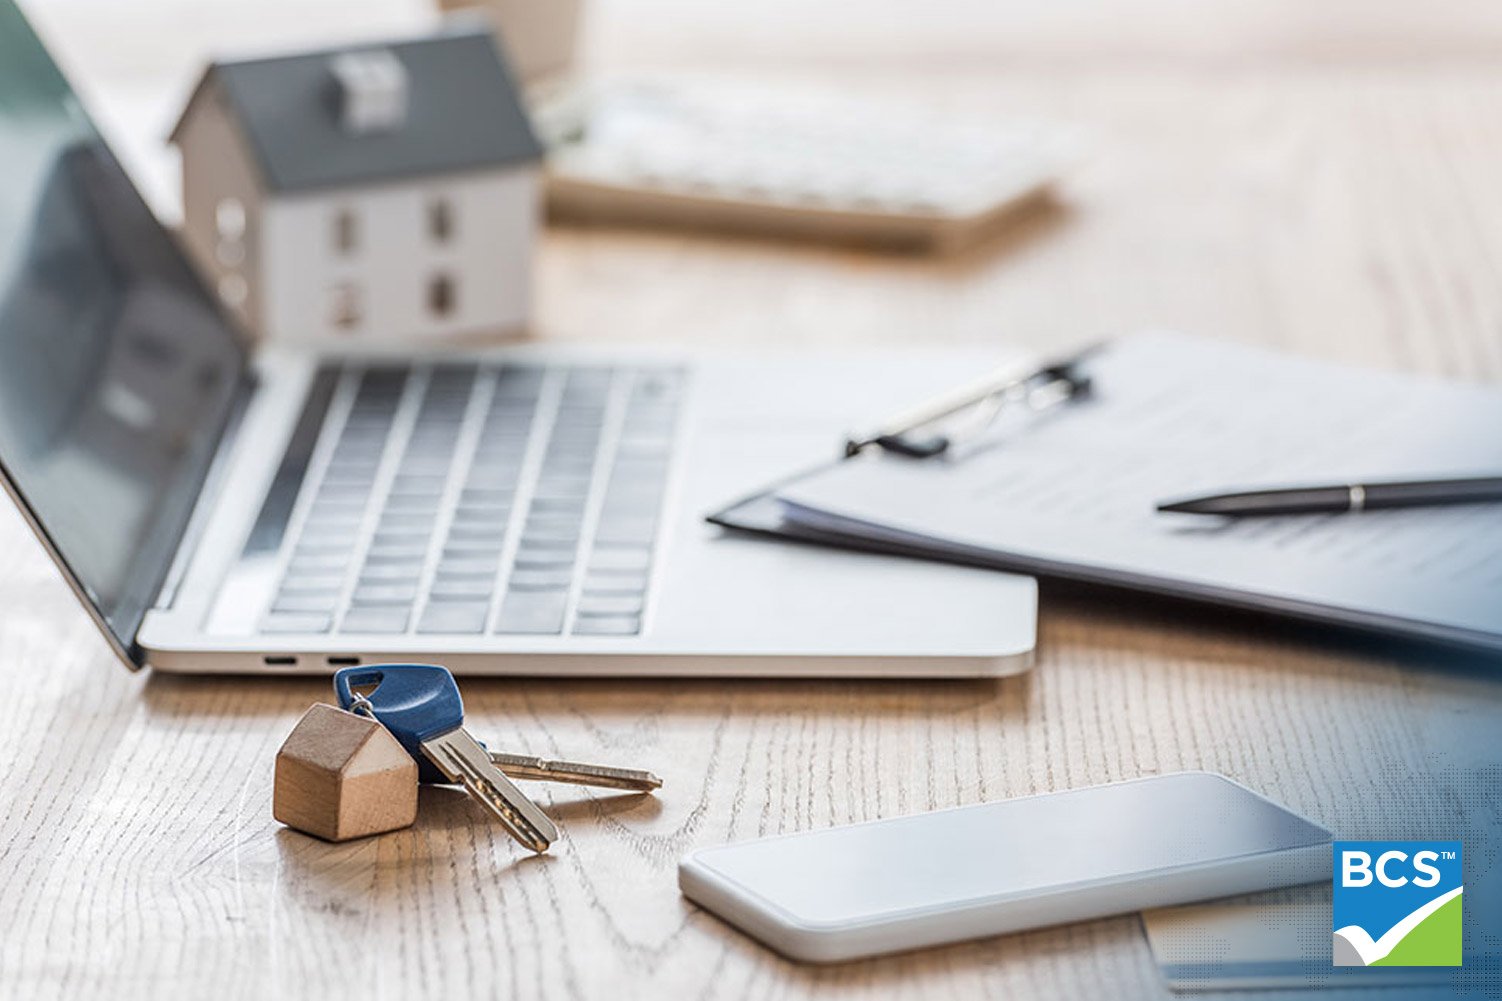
(374, 192)
(341, 776)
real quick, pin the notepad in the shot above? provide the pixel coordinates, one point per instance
(1073, 493)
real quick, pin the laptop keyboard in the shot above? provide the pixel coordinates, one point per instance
(475, 499)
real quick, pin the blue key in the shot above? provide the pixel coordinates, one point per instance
(420, 705)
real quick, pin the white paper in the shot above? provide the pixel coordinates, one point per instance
(1171, 416)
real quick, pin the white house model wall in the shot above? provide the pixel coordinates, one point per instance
(398, 261)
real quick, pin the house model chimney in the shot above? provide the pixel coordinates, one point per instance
(372, 90)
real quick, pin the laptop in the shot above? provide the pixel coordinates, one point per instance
(528, 510)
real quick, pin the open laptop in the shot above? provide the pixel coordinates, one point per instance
(526, 511)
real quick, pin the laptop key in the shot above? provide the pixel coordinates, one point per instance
(317, 603)
(553, 505)
(532, 612)
(474, 564)
(527, 559)
(615, 582)
(538, 545)
(399, 558)
(313, 564)
(320, 546)
(376, 619)
(412, 504)
(481, 517)
(447, 589)
(399, 523)
(488, 535)
(310, 583)
(293, 589)
(546, 520)
(541, 578)
(398, 571)
(453, 617)
(397, 551)
(470, 569)
(485, 497)
(384, 594)
(630, 558)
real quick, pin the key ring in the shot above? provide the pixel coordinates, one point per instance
(360, 705)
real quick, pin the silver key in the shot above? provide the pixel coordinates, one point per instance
(524, 766)
(461, 759)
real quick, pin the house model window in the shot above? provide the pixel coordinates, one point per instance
(229, 227)
(229, 219)
(440, 220)
(345, 306)
(441, 295)
(229, 251)
(346, 231)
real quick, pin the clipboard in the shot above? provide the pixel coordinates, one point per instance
(888, 490)
(1034, 391)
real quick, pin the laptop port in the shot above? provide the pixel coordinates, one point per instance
(279, 661)
(343, 661)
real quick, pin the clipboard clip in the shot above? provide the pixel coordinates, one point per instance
(1050, 385)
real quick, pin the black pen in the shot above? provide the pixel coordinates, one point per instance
(1342, 497)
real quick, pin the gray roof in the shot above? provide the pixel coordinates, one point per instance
(463, 113)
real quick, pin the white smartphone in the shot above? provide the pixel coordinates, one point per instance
(891, 885)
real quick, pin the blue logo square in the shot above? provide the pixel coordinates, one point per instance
(1397, 903)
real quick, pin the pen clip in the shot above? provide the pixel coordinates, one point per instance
(1041, 389)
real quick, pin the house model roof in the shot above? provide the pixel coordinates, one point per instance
(327, 739)
(442, 104)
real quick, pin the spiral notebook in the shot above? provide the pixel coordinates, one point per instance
(1072, 492)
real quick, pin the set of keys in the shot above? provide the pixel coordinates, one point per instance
(421, 707)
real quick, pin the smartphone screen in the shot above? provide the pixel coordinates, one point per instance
(1015, 852)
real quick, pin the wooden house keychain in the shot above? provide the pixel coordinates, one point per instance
(341, 775)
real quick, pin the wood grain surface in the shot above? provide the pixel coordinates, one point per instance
(1321, 178)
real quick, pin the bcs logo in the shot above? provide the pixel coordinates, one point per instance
(1397, 903)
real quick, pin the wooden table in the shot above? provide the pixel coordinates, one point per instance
(1322, 178)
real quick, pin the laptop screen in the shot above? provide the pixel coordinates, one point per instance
(117, 369)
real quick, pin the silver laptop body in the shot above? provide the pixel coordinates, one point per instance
(530, 510)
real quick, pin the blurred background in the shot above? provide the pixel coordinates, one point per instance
(1312, 175)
